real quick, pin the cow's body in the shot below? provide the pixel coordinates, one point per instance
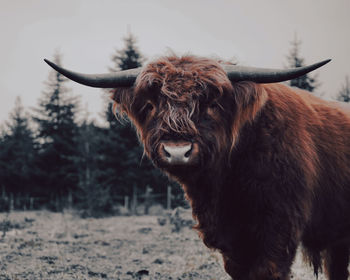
(277, 172)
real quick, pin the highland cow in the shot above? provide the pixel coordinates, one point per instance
(265, 167)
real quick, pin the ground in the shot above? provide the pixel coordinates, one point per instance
(45, 245)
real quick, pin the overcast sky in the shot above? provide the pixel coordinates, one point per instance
(87, 32)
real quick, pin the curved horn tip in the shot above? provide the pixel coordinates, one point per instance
(320, 64)
(108, 80)
(326, 61)
(53, 65)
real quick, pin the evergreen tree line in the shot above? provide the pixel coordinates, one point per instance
(51, 159)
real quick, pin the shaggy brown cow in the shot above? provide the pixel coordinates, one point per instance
(265, 167)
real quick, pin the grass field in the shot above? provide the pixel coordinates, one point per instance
(45, 245)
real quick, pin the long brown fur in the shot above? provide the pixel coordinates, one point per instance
(273, 164)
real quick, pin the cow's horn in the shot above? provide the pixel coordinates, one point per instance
(262, 75)
(235, 73)
(108, 80)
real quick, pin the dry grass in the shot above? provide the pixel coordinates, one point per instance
(44, 245)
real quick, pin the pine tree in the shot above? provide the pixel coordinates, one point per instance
(295, 60)
(129, 57)
(120, 146)
(344, 93)
(57, 137)
(17, 154)
(121, 155)
(92, 197)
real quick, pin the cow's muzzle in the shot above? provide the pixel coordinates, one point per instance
(178, 153)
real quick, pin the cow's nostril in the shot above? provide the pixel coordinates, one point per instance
(166, 153)
(188, 153)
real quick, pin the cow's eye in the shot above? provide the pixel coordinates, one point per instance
(148, 107)
(214, 106)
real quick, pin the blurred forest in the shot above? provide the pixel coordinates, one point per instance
(51, 157)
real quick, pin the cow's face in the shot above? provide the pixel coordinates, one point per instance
(182, 109)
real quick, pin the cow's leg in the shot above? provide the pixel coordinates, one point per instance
(266, 229)
(263, 249)
(230, 266)
(336, 262)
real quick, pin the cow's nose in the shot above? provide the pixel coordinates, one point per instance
(178, 154)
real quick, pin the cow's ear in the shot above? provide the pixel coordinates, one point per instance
(123, 98)
(249, 98)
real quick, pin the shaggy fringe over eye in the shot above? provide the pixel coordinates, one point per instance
(181, 77)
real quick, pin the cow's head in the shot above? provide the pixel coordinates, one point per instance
(188, 111)
(182, 109)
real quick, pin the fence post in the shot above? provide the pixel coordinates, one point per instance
(126, 202)
(57, 204)
(147, 199)
(31, 203)
(70, 199)
(3, 194)
(12, 206)
(168, 200)
(134, 199)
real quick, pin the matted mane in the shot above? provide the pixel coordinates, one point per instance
(179, 77)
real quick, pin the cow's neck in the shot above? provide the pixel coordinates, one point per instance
(204, 192)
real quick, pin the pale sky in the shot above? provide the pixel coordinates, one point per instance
(87, 32)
